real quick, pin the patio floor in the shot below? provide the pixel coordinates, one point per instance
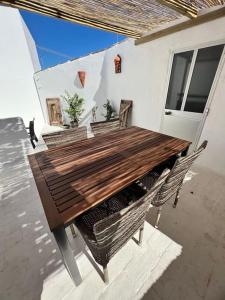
(184, 259)
(198, 225)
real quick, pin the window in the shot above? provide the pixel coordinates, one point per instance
(178, 79)
(191, 78)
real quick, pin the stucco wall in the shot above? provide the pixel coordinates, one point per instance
(144, 80)
(214, 130)
(32, 47)
(53, 82)
(18, 94)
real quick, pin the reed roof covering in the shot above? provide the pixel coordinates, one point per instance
(133, 18)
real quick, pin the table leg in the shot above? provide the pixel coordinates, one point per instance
(73, 230)
(67, 254)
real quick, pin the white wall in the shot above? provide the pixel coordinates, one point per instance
(144, 80)
(32, 47)
(214, 130)
(18, 62)
(53, 82)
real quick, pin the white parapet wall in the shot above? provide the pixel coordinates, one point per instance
(144, 79)
(18, 62)
(55, 81)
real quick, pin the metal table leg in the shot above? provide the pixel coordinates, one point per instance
(67, 254)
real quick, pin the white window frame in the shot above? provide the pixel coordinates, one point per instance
(191, 70)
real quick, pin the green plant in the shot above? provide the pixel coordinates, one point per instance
(75, 104)
(110, 112)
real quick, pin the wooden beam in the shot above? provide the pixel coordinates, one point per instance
(182, 7)
(42, 8)
(207, 17)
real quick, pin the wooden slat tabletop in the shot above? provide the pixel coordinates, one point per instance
(77, 176)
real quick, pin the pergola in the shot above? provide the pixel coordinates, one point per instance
(133, 18)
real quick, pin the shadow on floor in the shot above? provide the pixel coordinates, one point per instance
(198, 225)
(28, 252)
(29, 255)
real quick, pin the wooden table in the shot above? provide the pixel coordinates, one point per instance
(73, 178)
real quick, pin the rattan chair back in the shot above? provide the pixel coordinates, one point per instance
(122, 225)
(65, 136)
(175, 179)
(105, 126)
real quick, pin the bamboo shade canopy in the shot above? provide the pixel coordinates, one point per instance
(133, 18)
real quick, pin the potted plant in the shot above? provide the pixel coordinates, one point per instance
(110, 112)
(74, 110)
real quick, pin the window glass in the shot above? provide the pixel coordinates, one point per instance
(178, 79)
(206, 64)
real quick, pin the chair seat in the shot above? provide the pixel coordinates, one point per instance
(96, 214)
(123, 199)
(148, 180)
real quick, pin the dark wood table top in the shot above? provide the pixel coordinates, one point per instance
(75, 177)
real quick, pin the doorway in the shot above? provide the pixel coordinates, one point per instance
(187, 104)
(54, 111)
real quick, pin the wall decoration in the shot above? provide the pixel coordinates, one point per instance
(81, 75)
(117, 62)
(54, 111)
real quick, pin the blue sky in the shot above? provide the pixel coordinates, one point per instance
(70, 39)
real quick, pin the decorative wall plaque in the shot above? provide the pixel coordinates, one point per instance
(81, 75)
(117, 62)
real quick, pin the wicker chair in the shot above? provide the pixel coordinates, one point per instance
(173, 183)
(105, 126)
(110, 225)
(65, 136)
(62, 138)
(125, 108)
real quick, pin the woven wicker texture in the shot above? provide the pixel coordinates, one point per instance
(105, 126)
(175, 179)
(109, 226)
(65, 136)
(132, 18)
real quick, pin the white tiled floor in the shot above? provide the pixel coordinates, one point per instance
(132, 271)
